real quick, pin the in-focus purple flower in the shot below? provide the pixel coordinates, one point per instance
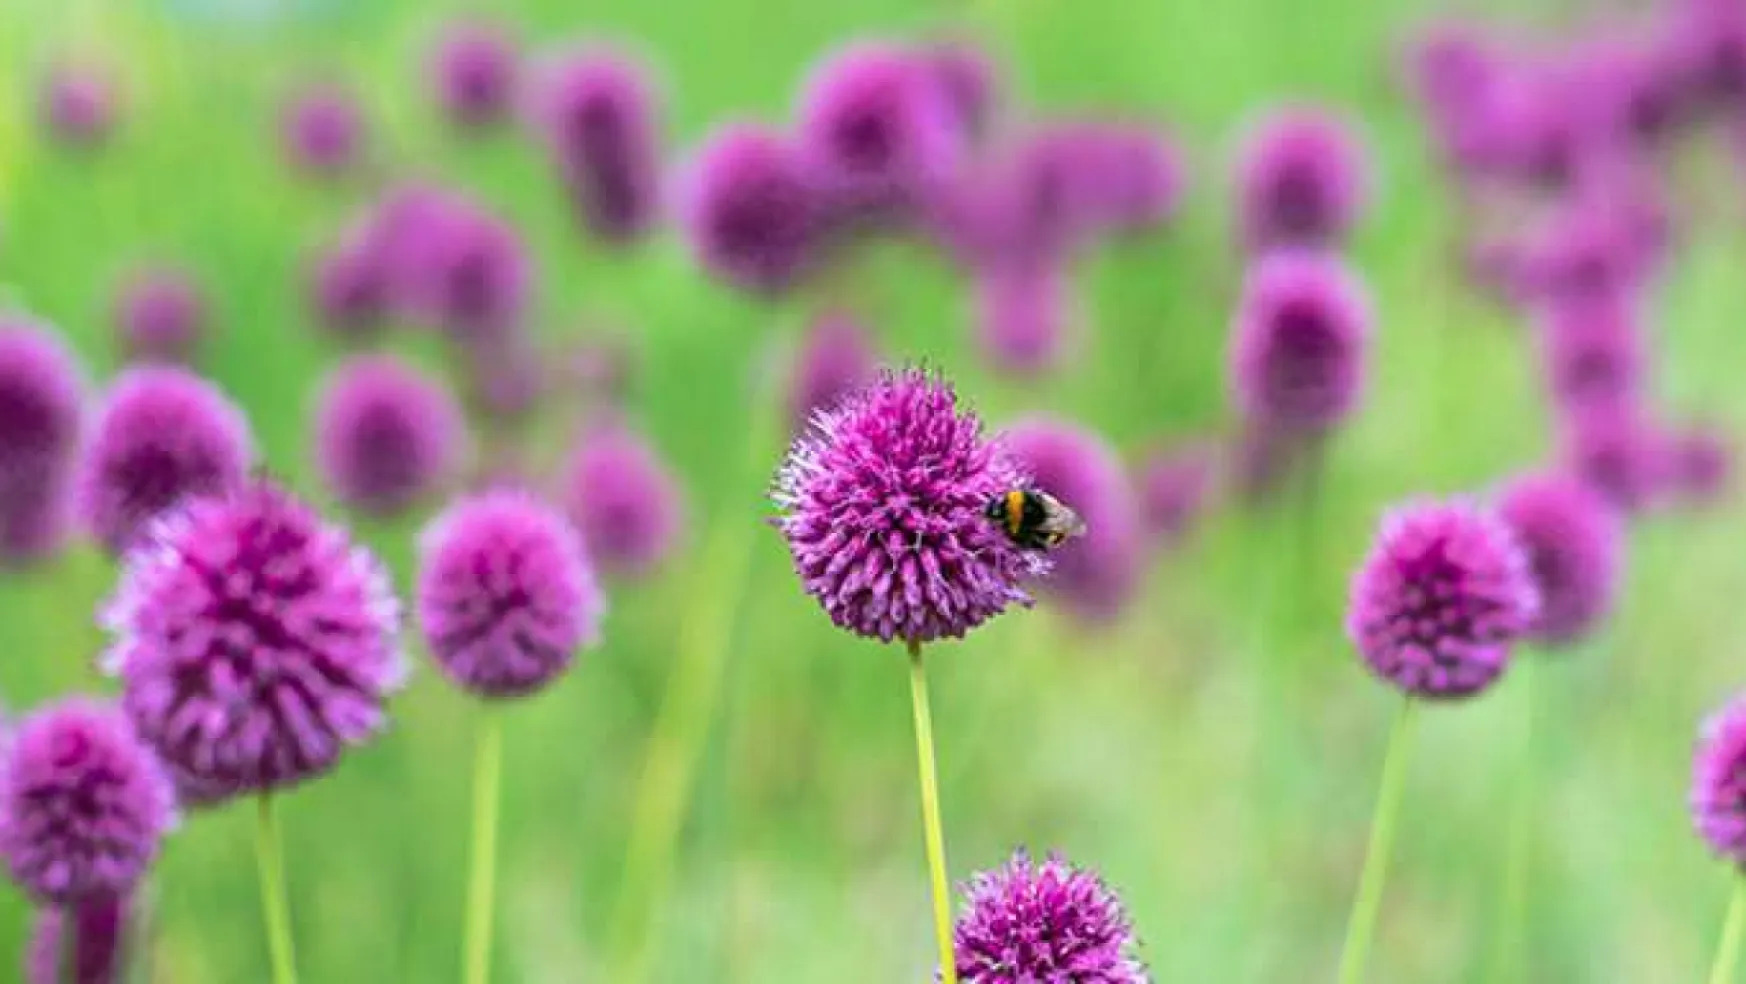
(84, 805)
(41, 393)
(349, 290)
(1594, 351)
(602, 118)
(1302, 179)
(254, 643)
(1172, 486)
(1443, 595)
(1299, 341)
(1023, 317)
(836, 358)
(1096, 574)
(876, 131)
(751, 210)
(1030, 923)
(505, 594)
(1718, 782)
(621, 496)
(473, 72)
(882, 504)
(78, 104)
(1613, 448)
(322, 129)
(159, 316)
(98, 950)
(161, 435)
(386, 435)
(1574, 542)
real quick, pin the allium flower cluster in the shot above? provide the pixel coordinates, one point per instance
(159, 316)
(602, 119)
(385, 434)
(1299, 342)
(1440, 600)
(1030, 922)
(1574, 542)
(254, 643)
(623, 499)
(1718, 782)
(41, 393)
(882, 506)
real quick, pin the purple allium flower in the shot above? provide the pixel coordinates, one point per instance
(159, 316)
(1302, 179)
(473, 71)
(602, 117)
(1140, 181)
(967, 81)
(1573, 539)
(386, 435)
(1437, 604)
(1707, 41)
(1616, 451)
(349, 289)
(454, 262)
(83, 804)
(505, 594)
(41, 393)
(1029, 923)
(1698, 463)
(1172, 486)
(254, 643)
(751, 210)
(78, 104)
(882, 504)
(836, 358)
(322, 129)
(1593, 351)
(1095, 575)
(875, 129)
(1608, 236)
(621, 496)
(161, 435)
(100, 927)
(1023, 317)
(1299, 341)
(1718, 782)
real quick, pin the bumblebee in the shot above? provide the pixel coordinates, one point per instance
(1033, 519)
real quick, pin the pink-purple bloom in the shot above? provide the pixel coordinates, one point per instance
(1443, 595)
(1302, 180)
(453, 262)
(162, 434)
(1574, 542)
(1299, 342)
(836, 358)
(751, 210)
(1718, 782)
(1023, 317)
(473, 72)
(601, 112)
(349, 290)
(385, 434)
(98, 951)
(1593, 351)
(623, 499)
(1042, 923)
(322, 129)
(882, 504)
(41, 397)
(84, 806)
(254, 643)
(1172, 486)
(79, 104)
(968, 82)
(1698, 462)
(159, 316)
(505, 594)
(1616, 450)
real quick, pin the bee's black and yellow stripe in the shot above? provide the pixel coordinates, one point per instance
(1017, 501)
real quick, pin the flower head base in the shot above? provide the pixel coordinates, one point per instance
(505, 595)
(385, 434)
(751, 210)
(621, 496)
(40, 409)
(1573, 539)
(1298, 347)
(1028, 923)
(1718, 782)
(254, 643)
(882, 506)
(162, 435)
(83, 805)
(1437, 604)
(160, 316)
(100, 929)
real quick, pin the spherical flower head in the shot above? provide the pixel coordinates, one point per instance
(1302, 180)
(386, 435)
(836, 358)
(456, 263)
(1594, 352)
(162, 434)
(41, 394)
(322, 130)
(1616, 451)
(472, 71)
(1095, 574)
(1607, 237)
(1023, 317)
(1299, 341)
(1444, 593)
(1028, 922)
(1172, 486)
(1574, 541)
(1141, 180)
(83, 804)
(159, 316)
(1034, 202)
(623, 499)
(882, 503)
(875, 129)
(254, 643)
(100, 929)
(1718, 782)
(78, 104)
(751, 210)
(602, 116)
(349, 290)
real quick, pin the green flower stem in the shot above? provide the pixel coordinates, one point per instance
(275, 906)
(1728, 949)
(1512, 908)
(482, 882)
(1361, 927)
(930, 804)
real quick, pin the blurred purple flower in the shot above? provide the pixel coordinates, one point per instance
(1299, 342)
(322, 129)
(1718, 782)
(836, 358)
(472, 72)
(1706, 41)
(1444, 593)
(505, 594)
(1698, 463)
(161, 435)
(1030, 923)
(623, 499)
(254, 643)
(751, 209)
(83, 805)
(968, 82)
(450, 260)
(602, 119)
(505, 380)
(1607, 236)
(99, 949)
(1302, 180)
(1023, 318)
(1593, 351)
(1574, 541)
(1172, 486)
(1613, 448)
(159, 315)
(882, 505)
(349, 289)
(41, 396)
(385, 435)
(78, 104)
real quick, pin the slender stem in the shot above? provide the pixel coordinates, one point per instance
(275, 906)
(930, 804)
(1361, 927)
(482, 882)
(1512, 909)
(1728, 950)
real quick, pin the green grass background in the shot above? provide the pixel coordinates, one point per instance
(1214, 756)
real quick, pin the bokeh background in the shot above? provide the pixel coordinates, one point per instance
(1213, 754)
